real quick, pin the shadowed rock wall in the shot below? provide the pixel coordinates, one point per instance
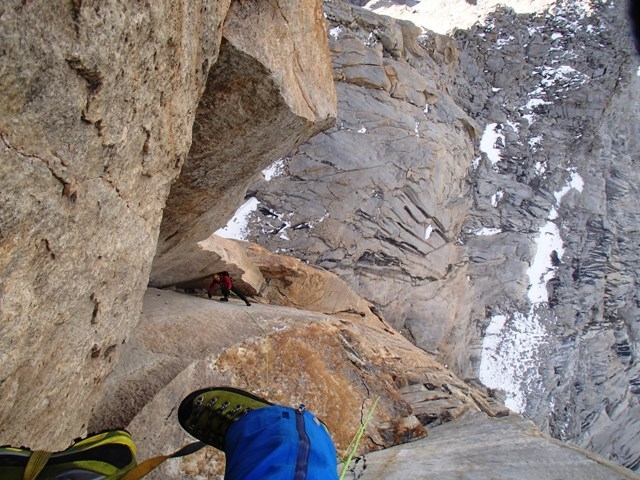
(262, 99)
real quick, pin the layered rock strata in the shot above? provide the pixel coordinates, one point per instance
(559, 97)
(496, 219)
(380, 198)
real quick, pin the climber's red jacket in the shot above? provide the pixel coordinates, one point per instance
(224, 280)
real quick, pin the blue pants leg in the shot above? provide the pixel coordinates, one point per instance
(279, 443)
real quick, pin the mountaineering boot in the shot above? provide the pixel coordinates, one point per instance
(208, 414)
(246, 302)
(224, 299)
(106, 456)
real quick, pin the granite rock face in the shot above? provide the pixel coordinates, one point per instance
(559, 181)
(403, 198)
(489, 208)
(335, 365)
(290, 282)
(98, 105)
(484, 448)
(96, 111)
(381, 197)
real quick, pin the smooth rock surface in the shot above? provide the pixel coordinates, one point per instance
(482, 448)
(335, 366)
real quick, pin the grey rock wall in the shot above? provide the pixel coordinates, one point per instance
(381, 197)
(497, 220)
(563, 88)
(486, 448)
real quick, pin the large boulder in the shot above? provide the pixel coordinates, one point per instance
(211, 255)
(96, 112)
(263, 98)
(291, 282)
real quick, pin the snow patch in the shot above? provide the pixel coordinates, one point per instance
(488, 144)
(549, 246)
(534, 102)
(501, 42)
(534, 142)
(563, 75)
(274, 170)
(575, 182)
(509, 360)
(542, 269)
(428, 231)
(237, 227)
(485, 231)
(335, 32)
(496, 197)
(541, 168)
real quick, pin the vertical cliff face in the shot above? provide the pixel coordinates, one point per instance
(97, 105)
(556, 216)
(481, 191)
(381, 197)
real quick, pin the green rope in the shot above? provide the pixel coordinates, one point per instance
(356, 440)
(266, 339)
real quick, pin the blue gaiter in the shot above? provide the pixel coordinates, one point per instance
(279, 443)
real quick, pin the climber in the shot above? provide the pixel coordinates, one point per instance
(260, 441)
(226, 285)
